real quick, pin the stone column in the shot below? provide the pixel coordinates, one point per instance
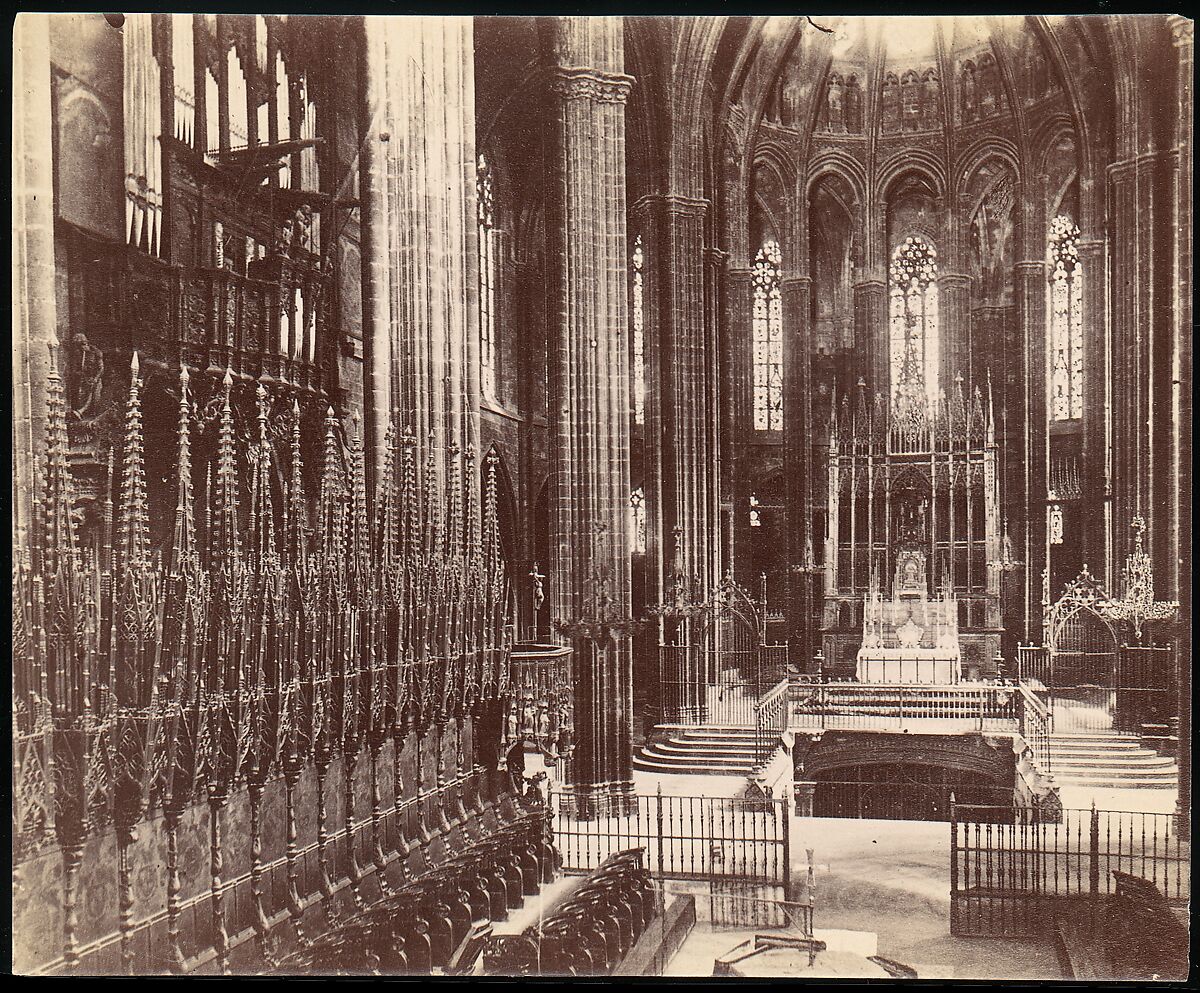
(376, 323)
(954, 321)
(796, 291)
(1029, 292)
(1181, 449)
(737, 305)
(1094, 465)
(673, 227)
(870, 333)
(589, 385)
(34, 314)
(427, 140)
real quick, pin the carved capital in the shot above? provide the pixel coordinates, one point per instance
(590, 84)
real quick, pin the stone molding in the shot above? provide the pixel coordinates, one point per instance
(581, 83)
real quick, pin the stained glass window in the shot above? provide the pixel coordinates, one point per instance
(639, 332)
(755, 512)
(768, 340)
(1066, 321)
(637, 520)
(487, 278)
(913, 313)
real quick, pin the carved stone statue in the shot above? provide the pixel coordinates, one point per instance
(87, 394)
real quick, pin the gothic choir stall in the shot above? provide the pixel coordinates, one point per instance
(490, 492)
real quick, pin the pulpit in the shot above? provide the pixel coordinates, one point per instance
(911, 637)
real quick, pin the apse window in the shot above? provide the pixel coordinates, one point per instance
(913, 312)
(768, 340)
(637, 520)
(638, 293)
(487, 278)
(1066, 321)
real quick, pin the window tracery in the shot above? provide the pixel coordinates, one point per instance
(637, 520)
(913, 309)
(638, 263)
(1066, 321)
(768, 340)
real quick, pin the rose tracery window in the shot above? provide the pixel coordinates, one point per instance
(1066, 321)
(768, 340)
(913, 310)
(639, 331)
(487, 278)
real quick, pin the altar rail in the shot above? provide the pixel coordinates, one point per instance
(1013, 872)
(819, 704)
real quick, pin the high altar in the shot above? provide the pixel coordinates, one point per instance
(909, 638)
(912, 588)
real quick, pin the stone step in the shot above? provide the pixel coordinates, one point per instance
(1114, 772)
(1105, 736)
(1110, 782)
(1097, 747)
(1124, 760)
(650, 763)
(719, 747)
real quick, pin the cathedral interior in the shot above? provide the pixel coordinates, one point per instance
(579, 495)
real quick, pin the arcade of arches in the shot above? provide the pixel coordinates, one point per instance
(443, 345)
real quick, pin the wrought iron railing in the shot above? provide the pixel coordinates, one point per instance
(819, 703)
(770, 722)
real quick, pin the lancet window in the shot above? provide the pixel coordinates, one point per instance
(1066, 321)
(768, 340)
(638, 292)
(487, 276)
(637, 520)
(913, 303)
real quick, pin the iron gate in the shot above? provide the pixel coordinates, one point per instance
(1083, 668)
(1145, 687)
(718, 666)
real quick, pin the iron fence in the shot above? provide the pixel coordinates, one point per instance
(685, 837)
(1013, 870)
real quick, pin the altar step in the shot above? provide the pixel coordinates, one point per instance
(709, 751)
(1109, 759)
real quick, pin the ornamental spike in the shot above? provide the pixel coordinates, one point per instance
(134, 528)
(297, 509)
(60, 540)
(183, 545)
(226, 524)
(454, 485)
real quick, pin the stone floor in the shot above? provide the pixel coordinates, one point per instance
(892, 878)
